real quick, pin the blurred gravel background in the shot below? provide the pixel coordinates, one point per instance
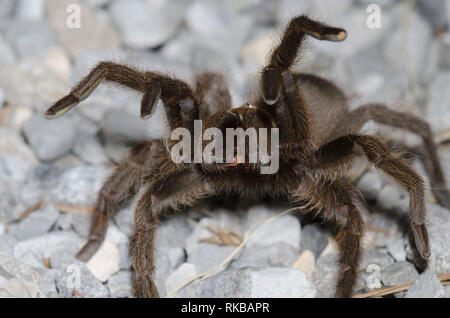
(56, 168)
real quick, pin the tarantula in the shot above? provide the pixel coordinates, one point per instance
(319, 140)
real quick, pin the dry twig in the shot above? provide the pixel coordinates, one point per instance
(395, 289)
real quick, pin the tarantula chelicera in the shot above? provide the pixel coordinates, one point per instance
(319, 139)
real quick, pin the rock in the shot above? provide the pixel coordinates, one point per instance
(173, 232)
(305, 263)
(13, 169)
(438, 114)
(60, 258)
(12, 267)
(282, 229)
(326, 273)
(183, 273)
(7, 241)
(253, 283)
(43, 246)
(438, 221)
(161, 272)
(30, 9)
(416, 41)
(125, 258)
(88, 148)
(145, 24)
(80, 223)
(50, 139)
(12, 145)
(359, 37)
(7, 55)
(374, 256)
(397, 250)
(17, 288)
(105, 262)
(444, 51)
(30, 38)
(398, 273)
(216, 255)
(196, 249)
(2, 229)
(121, 240)
(257, 50)
(370, 184)
(7, 8)
(279, 254)
(2, 97)
(219, 25)
(92, 34)
(392, 197)
(10, 206)
(47, 284)
(78, 280)
(208, 19)
(37, 223)
(39, 184)
(125, 220)
(36, 82)
(80, 185)
(118, 124)
(314, 238)
(119, 285)
(435, 13)
(427, 286)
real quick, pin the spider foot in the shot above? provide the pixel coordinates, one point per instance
(89, 249)
(421, 239)
(61, 107)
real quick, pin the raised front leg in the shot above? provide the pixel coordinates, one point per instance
(280, 95)
(178, 98)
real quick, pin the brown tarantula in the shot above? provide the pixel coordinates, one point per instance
(319, 140)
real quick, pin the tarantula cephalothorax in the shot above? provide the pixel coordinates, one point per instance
(318, 140)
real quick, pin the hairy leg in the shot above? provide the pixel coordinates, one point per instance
(332, 159)
(167, 187)
(379, 113)
(337, 202)
(177, 96)
(120, 187)
(212, 89)
(279, 93)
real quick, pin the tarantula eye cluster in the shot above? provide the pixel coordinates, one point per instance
(313, 162)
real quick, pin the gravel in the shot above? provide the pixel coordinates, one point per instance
(59, 166)
(251, 282)
(426, 286)
(50, 139)
(398, 273)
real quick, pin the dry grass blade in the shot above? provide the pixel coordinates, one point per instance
(31, 209)
(443, 136)
(77, 294)
(395, 289)
(230, 257)
(223, 237)
(85, 210)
